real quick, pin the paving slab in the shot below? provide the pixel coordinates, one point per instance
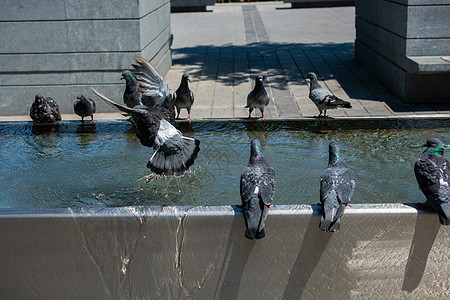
(226, 47)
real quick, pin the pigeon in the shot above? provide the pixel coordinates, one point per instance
(173, 152)
(258, 97)
(183, 96)
(131, 96)
(257, 190)
(44, 110)
(145, 86)
(337, 184)
(84, 107)
(433, 176)
(323, 98)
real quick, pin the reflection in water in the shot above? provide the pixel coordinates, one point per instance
(103, 164)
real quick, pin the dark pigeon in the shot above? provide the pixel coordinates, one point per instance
(84, 107)
(173, 153)
(258, 97)
(433, 176)
(145, 86)
(183, 96)
(132, 95)
(323, 98)
(257, 190)
(337, 184)
(44, 110)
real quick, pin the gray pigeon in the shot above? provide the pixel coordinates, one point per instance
(337, 184)
(323, 98)
(258, 97)
(433, 176)
(145, 86)
(44, 110)
(257, 190)
(131, 96)
(173, 153)
(183, 96)
(84, 107)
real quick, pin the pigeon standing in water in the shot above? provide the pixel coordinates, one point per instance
(258, 97)
(433, 176)
(173, 153)
(145, 86)
(323, 98)
(183, 96)
(337, 184)
(257, 190)
(44, 110)
(84, 107)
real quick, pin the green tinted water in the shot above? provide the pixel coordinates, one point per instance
(104, 165)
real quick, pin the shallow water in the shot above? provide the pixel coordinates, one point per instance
(104, 165)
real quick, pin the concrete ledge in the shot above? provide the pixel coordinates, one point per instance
(388, 250)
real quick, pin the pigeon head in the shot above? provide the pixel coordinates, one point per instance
(259, 80)
(185, 77)
(39, 98)
(434, 146)
(312, 76)
(333, 150)
(129, 77)
(255, 150)
(80, 97)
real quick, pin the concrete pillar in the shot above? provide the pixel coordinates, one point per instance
(404, 43)
(60, 47)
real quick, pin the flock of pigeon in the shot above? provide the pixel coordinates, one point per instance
(151, 109)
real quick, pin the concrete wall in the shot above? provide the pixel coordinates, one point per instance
(386, 251)
(402, 42)
(59, 48)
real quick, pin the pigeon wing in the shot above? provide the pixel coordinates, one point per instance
(248, 186)
(267, 188)
(342, 182)
(319, 94)
(152, 85)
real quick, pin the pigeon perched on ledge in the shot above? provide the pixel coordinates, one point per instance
(183, 96)
(145, 86)
(432, 172)
(173, 153)
(44, 110)
(323, 98)
(337, 184)
(257, 189)
(84, 107)
(257, 98)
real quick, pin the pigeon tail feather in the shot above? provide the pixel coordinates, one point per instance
(444, 214)
(164, 162)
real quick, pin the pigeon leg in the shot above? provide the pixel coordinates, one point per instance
(178, 114)
(250, 112)
(82, 119)
(189, 114)
(92, 119)
(262, 114)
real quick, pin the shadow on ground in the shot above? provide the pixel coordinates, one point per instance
(287, 64)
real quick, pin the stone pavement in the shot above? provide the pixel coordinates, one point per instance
(225, 48)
